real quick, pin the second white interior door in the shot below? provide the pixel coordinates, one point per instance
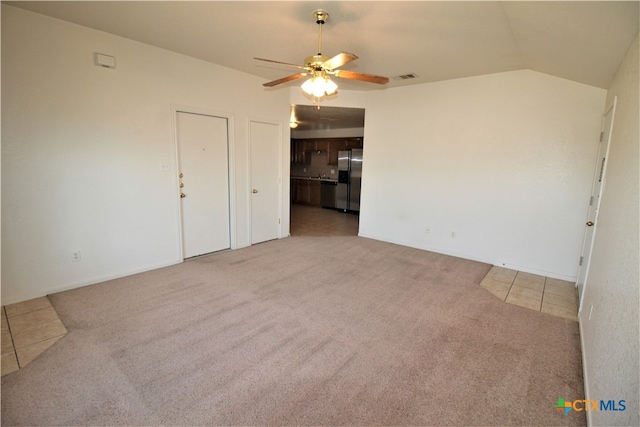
(265, 181)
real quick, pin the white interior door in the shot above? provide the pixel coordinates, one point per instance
(203, 161)
(594, 204)
(265, 181)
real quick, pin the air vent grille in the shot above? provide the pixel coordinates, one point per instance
(406, 76)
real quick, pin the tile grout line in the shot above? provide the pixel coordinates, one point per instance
(13, 344)
(511, 287)
(42, 340)
(544, 286)
(542, 298)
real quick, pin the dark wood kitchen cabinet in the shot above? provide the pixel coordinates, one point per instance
(305, 192)
(297, 151)
(332, 154)
(314, 193)
(321, 145)
(332, 157)
(301, 149)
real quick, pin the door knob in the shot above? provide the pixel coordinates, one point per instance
(590, 223)
(182, 195)
(254, 191)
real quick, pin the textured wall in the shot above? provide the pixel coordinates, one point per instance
(610, 339)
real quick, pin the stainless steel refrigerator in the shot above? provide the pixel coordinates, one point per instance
(349, 179)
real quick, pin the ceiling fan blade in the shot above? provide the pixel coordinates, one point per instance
(284, 80)
(345, 74)
(281, 63)
(339, 60)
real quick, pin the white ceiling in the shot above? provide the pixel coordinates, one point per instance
(435, 40)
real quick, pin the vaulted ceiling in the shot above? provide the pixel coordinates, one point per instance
(434, 40)
(583, 41)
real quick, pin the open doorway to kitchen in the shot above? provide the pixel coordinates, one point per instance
(326, 162)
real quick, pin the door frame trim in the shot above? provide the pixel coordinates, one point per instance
(175, 109)
(250, 120)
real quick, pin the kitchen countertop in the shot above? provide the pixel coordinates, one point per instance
(310, 178)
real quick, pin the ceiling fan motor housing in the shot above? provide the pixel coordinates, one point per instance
(315, 61)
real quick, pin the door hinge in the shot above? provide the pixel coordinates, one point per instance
(581, 259)
(602, 169)
(601, 136)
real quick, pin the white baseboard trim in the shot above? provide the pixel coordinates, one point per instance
(19, 297)
(585, 377)
(473, 258)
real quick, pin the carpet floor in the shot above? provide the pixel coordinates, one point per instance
(300, 331)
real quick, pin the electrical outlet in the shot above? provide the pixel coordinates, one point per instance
(453, 234)
(427, 230)
(76, 256)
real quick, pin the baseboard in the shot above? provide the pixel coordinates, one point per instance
(585, 378)
(525, 269)
(473, 258)
(12, 299)
(428, 248)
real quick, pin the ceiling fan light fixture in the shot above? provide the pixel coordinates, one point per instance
(330, 88)
(319, 86)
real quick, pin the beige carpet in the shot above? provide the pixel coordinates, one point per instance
(301, 331)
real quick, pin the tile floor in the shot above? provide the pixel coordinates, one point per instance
(28, 329)
(310, 221)
(544, 294)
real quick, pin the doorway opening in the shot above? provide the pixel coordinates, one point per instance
(327, 146)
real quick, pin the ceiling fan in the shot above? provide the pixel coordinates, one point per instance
(320, 67)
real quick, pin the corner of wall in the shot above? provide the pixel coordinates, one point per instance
(610, 336)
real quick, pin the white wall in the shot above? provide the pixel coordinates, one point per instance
(505, 161)
(610, 339)
(82, 148)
